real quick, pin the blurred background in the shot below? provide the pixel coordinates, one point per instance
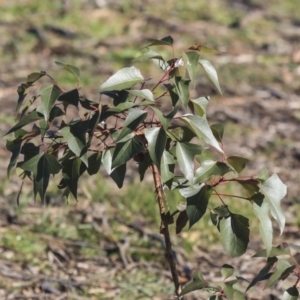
(106, 245)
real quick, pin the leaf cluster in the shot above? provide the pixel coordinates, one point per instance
(152, 122)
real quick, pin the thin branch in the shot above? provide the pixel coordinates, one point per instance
(164, 230)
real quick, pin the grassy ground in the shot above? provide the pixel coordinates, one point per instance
(106, 246)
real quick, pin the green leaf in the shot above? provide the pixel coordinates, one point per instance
(149, 54)
(191, 62)
(197, 204)
(167, 166)
(107, 159)
(251, 186)
(265, 224)
(185, 153)
(210, 168)
(122, 79)
(263, 175)
(31, 117)
(118, 175)
(94, 163)
(295, 247)
(227, 270)
(199, 105)
(234, 232)
(157, 139)
(144, 164)
(181, 221)
(190, 190)
(211, 73)
(200, 127)
(70, 97)
(125, 151)
(198, 283)
(264, 272)
(218, 131)
(274, 191)
(166, 41)
(237, 163)
(173, 93)
(165, 120)
(283, 269)
(291, 293)
(204, 49)
(31, 165)
(41, 165)
(15, 148)
(133, 120)
(71, 69)
(76, 142)
(49, 94)
(71, 172)
(182, 86)
(33, 77)
(143, 94)
(275, 251)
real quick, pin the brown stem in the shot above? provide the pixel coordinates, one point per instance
(164, 230)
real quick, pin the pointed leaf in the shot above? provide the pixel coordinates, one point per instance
(31, 117)
(167, 166)
(182, 86)
(76, 143)
(143, 94)
(210, 168)
(234, 232)
(263, 273)
(227, 271)
(94, 163)
(263, 175)
(144, 164)
(148, 54)
(118, 175)
(291, 293)
(265, 224)
(198, 283)
(106, 159)
(197, 204)
(49, 94)
(165, 120)
(274, 191)
(200, 127)
(133, 120)
(166, 41)
(191, 62)
(211, 73)
(281, 270)
(71, 174)
(181, 221)
(33, 77)
(204, 49)
(185, 153)
(199, 105)
(71, 69)
(70, 97)
(125, 151)
(122, 79)
(173, 93)
(237, 163)
(157, 139)
(218, 131)
(15, 148)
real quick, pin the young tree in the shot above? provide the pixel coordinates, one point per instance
(159, 126)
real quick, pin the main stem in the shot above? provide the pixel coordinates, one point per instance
(164, 230)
